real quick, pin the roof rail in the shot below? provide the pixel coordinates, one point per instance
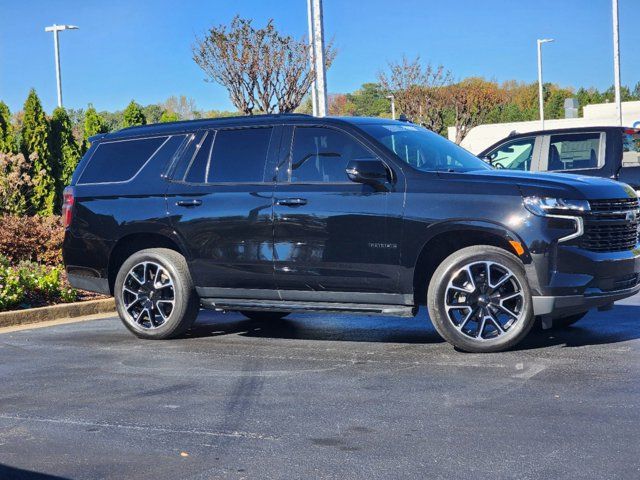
(234, 117)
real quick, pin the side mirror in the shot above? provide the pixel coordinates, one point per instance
(368, 171)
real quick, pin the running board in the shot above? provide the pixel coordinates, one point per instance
(289, 306)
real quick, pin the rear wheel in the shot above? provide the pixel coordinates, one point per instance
(264, 316)
(155, 297)
(479, 299)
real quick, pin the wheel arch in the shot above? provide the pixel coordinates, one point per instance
(134, 242)
(449, 237)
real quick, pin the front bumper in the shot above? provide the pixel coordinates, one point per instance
(562, 306)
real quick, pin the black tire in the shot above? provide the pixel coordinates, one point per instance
(171, 322)
(565, 322)
(450, 270)
(264, 316)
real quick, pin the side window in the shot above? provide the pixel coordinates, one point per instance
(322, 154)
(514, 155)
(631, 148)
(120, 160)
(574, 151)
(239, 155)
(200, 159)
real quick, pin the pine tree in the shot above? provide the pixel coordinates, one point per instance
(133, 115)
(7, 137)
(93, 125)
(64, 148)
(35, 139)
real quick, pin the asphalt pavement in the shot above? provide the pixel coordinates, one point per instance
(320, 396)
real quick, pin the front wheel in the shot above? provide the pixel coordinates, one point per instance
(155, 297)
(479, 299)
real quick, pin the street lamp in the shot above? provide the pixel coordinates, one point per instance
(616, 61)
(540, 97)
(55, 29)
(393, 106)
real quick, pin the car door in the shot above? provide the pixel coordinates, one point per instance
(521, 153)
(220, 203)
(335, 240)
(582, 153)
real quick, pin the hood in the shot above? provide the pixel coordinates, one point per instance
(559, 185)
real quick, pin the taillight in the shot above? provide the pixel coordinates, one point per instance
(67, 206)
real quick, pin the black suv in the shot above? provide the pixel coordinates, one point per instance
(269, 215)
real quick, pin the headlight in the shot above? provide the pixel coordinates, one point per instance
(543, 206)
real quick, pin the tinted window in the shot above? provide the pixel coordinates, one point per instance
(514, 155)
(574, 151)
(119, 161)
(631, 148)
(239, 155)
(322, 155)
(423, 149)
(199, 164)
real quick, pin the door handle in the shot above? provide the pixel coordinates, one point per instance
(292, 202)
(189, 203)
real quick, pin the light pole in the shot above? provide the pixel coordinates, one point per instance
(540, 96)
(55, 29)
(616, 61)
(317, 53)
(393, 106)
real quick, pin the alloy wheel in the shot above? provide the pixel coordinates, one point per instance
(484, 300)
(148, 294)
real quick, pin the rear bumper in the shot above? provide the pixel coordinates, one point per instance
(561, 306)
(92, 284)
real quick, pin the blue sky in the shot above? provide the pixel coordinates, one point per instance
(141, 49)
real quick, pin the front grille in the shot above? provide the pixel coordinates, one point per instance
(618, 205)
(611, 225)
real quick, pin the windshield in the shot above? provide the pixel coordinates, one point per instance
(423, 149)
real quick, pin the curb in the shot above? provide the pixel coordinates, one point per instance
(57, 312)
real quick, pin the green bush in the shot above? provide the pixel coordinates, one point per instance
(12, 292)
(30, 285)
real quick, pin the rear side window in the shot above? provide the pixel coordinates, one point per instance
(198, 168)
(120, 160)
(574, 151)
(239, 155)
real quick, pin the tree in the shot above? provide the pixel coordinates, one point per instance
(133, 115)
(15, 183)
(168, 116)
(418, 91)
(370, 101)
(152, 113)
(64, 149)
(263, 70)
(93, 125)
(35, 140)
(472, 100)
(7, 137)
(183, 107)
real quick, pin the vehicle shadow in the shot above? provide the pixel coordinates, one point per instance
(614, 326)
(331, 327)
(597, 328)
(13, 473)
